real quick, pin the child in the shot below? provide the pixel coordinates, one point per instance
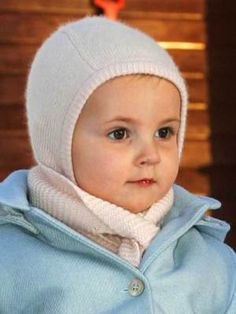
(98, 226)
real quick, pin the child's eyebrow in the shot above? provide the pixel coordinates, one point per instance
(134, 121)
(171, 120)
(123, 119)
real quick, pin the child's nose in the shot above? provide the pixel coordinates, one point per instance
(148, 153)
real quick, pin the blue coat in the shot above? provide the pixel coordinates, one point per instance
(46, 267)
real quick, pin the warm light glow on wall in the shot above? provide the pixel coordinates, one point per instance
(197, 106)
(182, 45)
(193, 75)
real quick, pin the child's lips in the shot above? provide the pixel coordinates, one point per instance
(144, 182)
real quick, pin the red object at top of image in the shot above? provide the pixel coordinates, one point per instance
(111, 8)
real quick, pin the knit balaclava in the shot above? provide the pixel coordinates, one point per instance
(67, 68)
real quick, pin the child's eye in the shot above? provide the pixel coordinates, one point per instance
(164, 132)
(118, 134)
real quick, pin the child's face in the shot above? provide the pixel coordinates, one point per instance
(127, 131)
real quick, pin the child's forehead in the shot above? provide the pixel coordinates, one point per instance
(121, 87)
(118, 86)
(131, 96)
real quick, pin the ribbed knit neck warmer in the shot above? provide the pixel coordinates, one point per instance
(113, 227)
(67, 68)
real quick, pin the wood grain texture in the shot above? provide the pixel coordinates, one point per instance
(191, 6)
(12, 89)
(187, 6)
(41, 25)
(47, 6)
(193, 180)
(16, 59)
(13, 118)
(15, 150)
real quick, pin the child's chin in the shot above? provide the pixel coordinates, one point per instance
(136, 209)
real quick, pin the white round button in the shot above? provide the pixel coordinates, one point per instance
(135, 287)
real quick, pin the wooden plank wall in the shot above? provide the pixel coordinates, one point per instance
(180, 26)
(221, 53)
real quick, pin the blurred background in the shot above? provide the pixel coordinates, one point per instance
(201, 37)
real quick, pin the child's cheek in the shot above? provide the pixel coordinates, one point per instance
(112, 166)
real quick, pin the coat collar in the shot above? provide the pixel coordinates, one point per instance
(188, 211)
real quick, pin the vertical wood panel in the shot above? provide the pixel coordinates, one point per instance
(221, 32)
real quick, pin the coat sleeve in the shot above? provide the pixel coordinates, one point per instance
(5, 290)
(232, 306)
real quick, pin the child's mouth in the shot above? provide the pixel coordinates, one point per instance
(144, 182)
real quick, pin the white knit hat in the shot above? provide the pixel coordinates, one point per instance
(70, 65)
